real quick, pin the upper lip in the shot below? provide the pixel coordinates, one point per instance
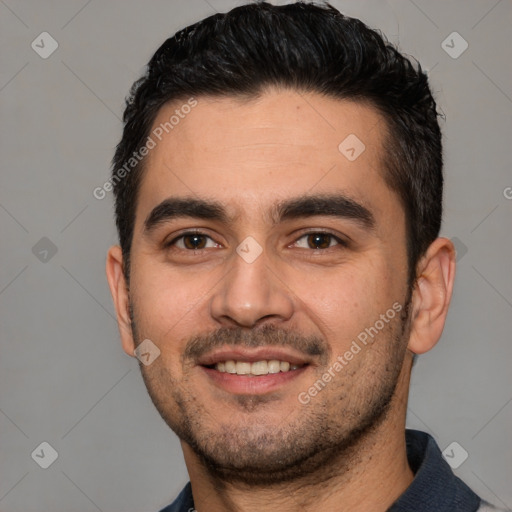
(252, 355)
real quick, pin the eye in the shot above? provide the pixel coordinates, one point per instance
(319, 240)
(192, 241)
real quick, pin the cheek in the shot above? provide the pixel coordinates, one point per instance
(166, 306)
(343, 302)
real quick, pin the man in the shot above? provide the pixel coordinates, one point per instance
(278, 200)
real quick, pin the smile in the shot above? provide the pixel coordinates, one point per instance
(256, 368)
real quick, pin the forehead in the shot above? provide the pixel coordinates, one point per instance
(248, 154)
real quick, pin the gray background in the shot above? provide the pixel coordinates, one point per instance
(63, 376)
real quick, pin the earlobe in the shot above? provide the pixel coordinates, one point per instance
(432, 295)
(119, 290)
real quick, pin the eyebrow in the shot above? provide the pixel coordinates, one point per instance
(337, 205)
(174, 207)
(330, 205)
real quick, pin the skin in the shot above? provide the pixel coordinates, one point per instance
(252, 451)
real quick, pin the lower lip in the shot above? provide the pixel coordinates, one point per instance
(252, 385)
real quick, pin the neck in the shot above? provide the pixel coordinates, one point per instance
(370, 475)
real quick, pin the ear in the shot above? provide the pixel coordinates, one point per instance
(432, 294)
(119, 290)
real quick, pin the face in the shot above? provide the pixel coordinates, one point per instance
(261, 248)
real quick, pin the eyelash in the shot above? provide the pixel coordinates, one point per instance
(339, 241)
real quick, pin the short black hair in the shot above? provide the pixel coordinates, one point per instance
(308, 48)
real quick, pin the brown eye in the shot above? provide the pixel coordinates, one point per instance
(194, 241)
(319, 240)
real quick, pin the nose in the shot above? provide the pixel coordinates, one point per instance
(251, 294)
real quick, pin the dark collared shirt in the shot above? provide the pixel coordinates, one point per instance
(434, 489)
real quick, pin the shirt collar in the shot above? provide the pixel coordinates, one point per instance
(434, 487)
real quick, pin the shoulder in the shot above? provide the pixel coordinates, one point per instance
(487, 507)
(183, 503)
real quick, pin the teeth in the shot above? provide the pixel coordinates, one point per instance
(274, 366)
(256, 368)
(243, 368)
(230, 366)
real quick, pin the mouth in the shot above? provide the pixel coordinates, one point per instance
(257, 371)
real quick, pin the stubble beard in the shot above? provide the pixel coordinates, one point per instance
(322, 439)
